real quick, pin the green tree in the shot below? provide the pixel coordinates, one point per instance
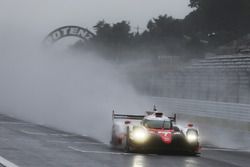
(103, 31)
(118, 33)
(220, 15)
(194, 3)
(227, 19)
(121, 32)
(164, 26)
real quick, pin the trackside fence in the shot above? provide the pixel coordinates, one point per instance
(228, 111)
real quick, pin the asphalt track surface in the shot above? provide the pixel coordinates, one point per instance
(29, 145)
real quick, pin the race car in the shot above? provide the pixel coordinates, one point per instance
(153, 132)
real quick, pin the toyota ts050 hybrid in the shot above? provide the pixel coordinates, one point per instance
(153, 131)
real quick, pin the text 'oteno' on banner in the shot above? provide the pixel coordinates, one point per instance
(68, 31)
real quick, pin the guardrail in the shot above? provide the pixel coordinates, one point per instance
(228, 111)
(223, 62)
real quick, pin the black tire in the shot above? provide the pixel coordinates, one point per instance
(194, 151)
(195, 154)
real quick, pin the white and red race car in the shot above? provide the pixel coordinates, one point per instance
(153, 131)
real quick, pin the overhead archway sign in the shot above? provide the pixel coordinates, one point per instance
(68, 31)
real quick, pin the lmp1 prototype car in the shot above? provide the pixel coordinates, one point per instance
(155, 132)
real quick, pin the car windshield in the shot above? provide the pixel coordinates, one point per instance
(157, 124)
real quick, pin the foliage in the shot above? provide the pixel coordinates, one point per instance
(114, 34)
(212, 23)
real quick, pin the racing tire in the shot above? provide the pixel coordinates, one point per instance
(194, 152)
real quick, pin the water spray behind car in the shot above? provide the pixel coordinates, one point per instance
(68, 90)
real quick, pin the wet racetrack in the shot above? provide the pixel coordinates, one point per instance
(30, 145)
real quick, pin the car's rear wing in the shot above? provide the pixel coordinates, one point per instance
(126, 116)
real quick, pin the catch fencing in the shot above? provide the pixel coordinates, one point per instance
(228, 111)
(224, 78)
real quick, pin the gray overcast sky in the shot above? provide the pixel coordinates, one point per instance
(49, 14)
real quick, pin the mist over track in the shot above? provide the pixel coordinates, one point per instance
(71, 91)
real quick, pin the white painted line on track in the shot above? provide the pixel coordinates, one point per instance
(7, 163)
(15, 123)
(98, 152)
(47, 134)
(224, 149)
(76, 142)
(62, 135)
(34, 133)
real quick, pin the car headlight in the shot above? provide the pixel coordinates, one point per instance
(139, 135)
(192, 136)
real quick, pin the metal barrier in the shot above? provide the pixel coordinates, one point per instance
(228, 111)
